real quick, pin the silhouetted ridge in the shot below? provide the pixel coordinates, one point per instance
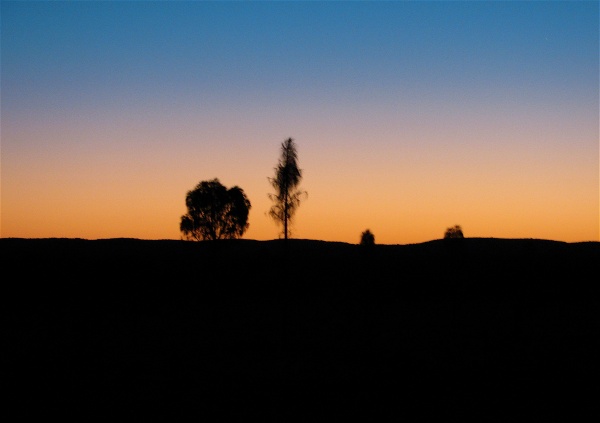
(94, 321)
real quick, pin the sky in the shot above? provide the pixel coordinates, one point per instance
(409, 117)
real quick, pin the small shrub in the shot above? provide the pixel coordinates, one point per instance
(367, 238)
(454, 232)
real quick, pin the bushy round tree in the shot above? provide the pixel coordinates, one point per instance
(215, 212)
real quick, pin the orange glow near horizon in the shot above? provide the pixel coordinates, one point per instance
(402, 195)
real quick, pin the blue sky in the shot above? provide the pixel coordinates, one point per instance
(365, 88)
(225, 49)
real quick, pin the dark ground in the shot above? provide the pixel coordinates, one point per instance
(498, 329)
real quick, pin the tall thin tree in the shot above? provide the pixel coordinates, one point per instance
(287, 178)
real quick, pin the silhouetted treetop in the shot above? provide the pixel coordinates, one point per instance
(287, 177)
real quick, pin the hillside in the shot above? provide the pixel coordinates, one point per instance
(120, 320)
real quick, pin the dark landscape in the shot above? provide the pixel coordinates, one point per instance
(164, 325)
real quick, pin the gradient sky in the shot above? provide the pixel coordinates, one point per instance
(408, 117)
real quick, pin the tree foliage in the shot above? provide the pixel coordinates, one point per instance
(367, 238)
(454, 232)
(215, 212)
(287, 196)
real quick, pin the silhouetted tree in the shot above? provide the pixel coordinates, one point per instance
(367, 238)
(287, 177)
(454, 232)
(215, 212)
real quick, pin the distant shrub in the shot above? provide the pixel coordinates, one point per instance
(454, 232)
(367, 238)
